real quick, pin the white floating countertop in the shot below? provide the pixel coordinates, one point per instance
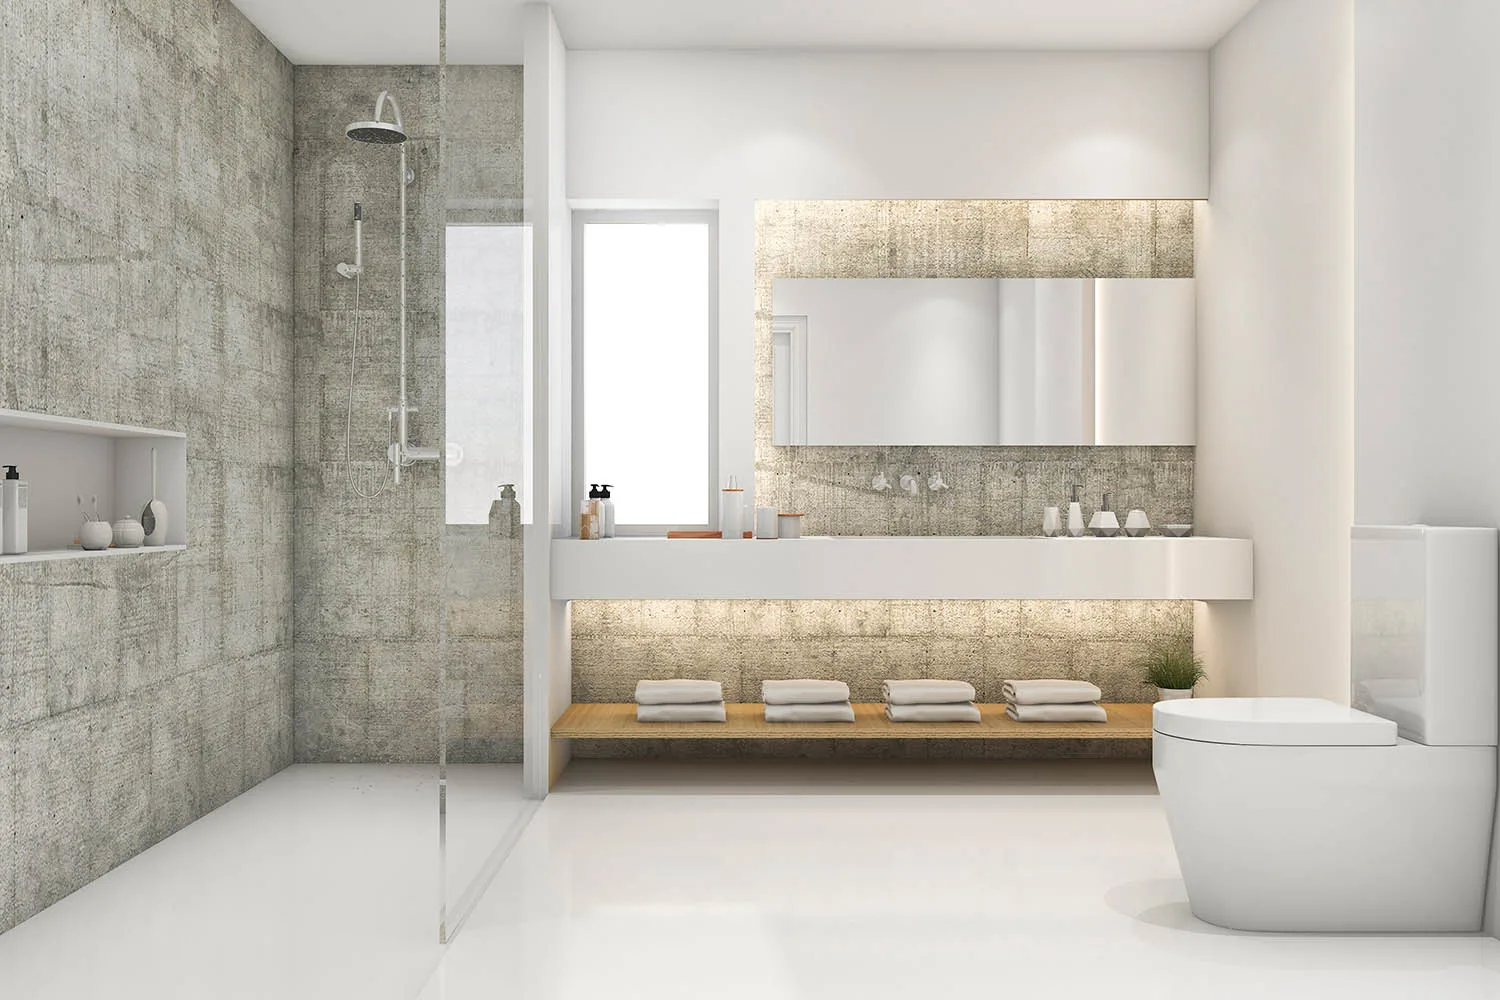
(53, 555)
(21, 419)
(904, 568)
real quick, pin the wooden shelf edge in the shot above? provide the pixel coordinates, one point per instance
(746, 721)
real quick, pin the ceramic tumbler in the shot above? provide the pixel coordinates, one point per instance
(95, 535)
(1051, 522)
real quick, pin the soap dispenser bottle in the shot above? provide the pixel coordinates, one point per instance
(15, 501)
(606, 512)
(1104, 523)
(1075, 514)
(504, 513)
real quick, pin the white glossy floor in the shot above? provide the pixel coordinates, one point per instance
(320, 882)
(885, 881)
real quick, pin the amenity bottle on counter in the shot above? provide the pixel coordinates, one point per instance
(505, 513)
(1075, 515)
(588, 521)
(16, 497)
(606, 512)
(732, 510)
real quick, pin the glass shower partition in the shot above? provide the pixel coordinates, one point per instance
(485, 320)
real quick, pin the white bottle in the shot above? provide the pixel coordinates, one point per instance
(16, 494)
(606, 512)
(1076, 526)
(732, 510)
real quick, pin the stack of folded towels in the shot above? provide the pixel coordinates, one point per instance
(1053, 701)
(929, 701)
(806, 701)
(679, 701)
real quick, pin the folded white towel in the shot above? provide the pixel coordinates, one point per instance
(706, 712)
(824, 712)
(677, 692)
(1057, 713)
(926, 692)
(1049, 692)
(803, 692)
(968, 712)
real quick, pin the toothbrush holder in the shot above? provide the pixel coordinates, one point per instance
(95, 536)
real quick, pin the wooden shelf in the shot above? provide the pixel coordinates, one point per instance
(747, 722)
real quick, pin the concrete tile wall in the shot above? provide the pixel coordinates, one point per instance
(995, 491)
(371, 572)
(741, 643)
(146, 278)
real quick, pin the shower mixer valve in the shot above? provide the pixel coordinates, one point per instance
(401, 452)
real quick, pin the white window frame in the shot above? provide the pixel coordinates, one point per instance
(710, 218)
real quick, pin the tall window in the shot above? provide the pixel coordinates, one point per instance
(646, 343)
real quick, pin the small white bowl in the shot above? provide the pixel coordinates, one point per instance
(1178, 530)
(95, 536)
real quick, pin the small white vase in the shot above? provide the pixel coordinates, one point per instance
(1173, 694)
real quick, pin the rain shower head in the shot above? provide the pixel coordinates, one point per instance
(377, 131)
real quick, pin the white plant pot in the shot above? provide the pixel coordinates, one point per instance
(1172, 694)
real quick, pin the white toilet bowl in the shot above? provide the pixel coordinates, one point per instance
(1295, 814)
(1299, 814)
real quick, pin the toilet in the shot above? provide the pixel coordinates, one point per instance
(1300, 814)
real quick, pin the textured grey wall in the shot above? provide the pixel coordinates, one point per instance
(995, 491)
(146, 278)
(742, 643)
(371, 573)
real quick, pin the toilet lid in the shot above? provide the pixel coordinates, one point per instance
(1294, 722)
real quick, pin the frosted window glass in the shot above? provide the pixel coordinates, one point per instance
(487, 366)
(645, 353)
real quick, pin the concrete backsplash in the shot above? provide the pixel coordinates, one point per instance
(998, 490)
(741, 643)
(371, 592)
(146, 278)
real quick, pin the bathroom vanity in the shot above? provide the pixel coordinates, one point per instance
(905, 568)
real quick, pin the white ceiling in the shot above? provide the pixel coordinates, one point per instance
(489, 31)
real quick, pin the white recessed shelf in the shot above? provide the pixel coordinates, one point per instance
(905, 568)
(63, 458)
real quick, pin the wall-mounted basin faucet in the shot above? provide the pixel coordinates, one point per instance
(910, 484)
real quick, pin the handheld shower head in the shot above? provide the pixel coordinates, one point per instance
(378, 131)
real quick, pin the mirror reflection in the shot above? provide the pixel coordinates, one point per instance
(983, 361)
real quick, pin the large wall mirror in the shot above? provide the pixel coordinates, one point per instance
(983, 361)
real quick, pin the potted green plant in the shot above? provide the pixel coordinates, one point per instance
(1173, 669)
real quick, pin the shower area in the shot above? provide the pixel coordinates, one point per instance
(411, 277)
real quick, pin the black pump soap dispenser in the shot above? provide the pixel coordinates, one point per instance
(13, 518)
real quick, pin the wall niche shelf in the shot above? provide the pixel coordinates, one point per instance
(616, 721)
(63, 458)
(905, 568)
